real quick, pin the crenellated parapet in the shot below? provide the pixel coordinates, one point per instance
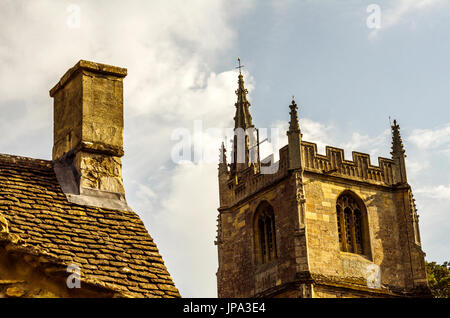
(248, 181)
(360, 168)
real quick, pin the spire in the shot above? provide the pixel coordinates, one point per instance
(223, 165)
(242, 119)
(294, 138)
(245, 152)
(398, 154)
(223, 154)
(415, 218)
(293, 123)
(397, 144)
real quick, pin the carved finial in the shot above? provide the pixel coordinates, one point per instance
(223, 154)
(398, 155)
(397, 144)
(293, 123)
(294, 138)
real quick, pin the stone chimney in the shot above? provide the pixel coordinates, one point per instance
(88, 134)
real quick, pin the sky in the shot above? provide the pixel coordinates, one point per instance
(349, 65)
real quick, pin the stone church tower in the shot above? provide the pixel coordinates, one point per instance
(316, 225)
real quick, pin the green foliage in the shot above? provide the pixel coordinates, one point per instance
(439, 279)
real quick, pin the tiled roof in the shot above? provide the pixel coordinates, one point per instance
(111, 247)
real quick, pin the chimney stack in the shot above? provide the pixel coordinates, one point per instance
(88, 133)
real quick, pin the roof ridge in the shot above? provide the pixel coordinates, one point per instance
(8, 156)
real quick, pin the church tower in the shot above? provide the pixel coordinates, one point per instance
(318, 225)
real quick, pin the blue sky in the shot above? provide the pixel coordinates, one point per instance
(181, 57)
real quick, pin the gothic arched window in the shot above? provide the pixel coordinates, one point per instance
(264, 234)
(352, 225)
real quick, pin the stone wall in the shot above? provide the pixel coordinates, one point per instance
(238, 274)
(322, 291)
(29, 275)
(386, 228)
(393, 261)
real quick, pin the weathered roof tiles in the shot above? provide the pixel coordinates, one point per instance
(111, 247)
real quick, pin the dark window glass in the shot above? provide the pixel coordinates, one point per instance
(265, 236)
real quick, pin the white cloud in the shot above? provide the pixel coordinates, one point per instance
(327, 135)
(375, 146)
(189, 219)
(441, 192)
(431, 138)
(432, 202)
(318, 133)
(169, 50)
(416, 167)
(401, 8)
(312, 131)
(400, 11)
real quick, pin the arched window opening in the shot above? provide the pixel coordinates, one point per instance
(352, 225)
(265, 238)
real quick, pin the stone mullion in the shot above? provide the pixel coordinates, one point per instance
(266, 241)
(274, 248)
(348, 230)
(353, 231)
(261, 240)
(343, 236)
(342, 244)
(359, 233)
(344, 231)
(257, 242)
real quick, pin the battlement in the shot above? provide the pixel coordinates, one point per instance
(249, 182)
(360, 168)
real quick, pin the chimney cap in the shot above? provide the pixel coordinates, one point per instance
(89, 66)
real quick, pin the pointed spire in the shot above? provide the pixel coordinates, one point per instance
(415, 218)
(223, 154)
(397, 144)
(244, 141)
(223, 165)
(242, 119)
(398, 155)
(293, 123)
(294, 138)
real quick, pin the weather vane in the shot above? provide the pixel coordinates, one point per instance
(240, 66)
